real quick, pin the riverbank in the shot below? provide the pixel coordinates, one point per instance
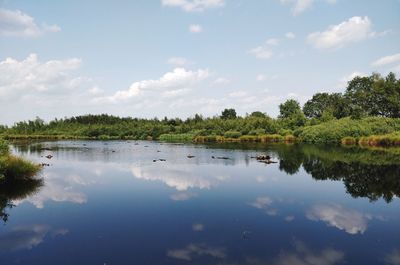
(13, 167)
(368, 131)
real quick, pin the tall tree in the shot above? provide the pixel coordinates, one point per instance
(289, 108)
(228, 114)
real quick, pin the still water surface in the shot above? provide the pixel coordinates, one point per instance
(110, 203)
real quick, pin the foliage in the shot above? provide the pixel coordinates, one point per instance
(228, 114)
(334, 130)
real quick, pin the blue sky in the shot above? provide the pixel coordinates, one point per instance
(181, 57)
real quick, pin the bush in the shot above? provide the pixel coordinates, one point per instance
(232, 134)
(348, 140)
(13, 167)
(4, 149)
(285, 132)
(335, 130)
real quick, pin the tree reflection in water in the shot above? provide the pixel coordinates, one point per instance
(372, 174)
(16, 189)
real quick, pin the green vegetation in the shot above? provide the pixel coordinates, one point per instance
(368, 109)
(12, 167)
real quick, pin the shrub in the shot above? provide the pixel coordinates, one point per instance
(17, 168)
(4, 149)
(348, 140)
(232, 134)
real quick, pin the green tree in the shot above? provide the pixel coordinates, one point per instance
(228, 114)
(289, 108)
(334, 103)
(258, 114)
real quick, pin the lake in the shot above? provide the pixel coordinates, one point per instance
(143, 202)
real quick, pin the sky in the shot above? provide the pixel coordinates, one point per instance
(175, 58)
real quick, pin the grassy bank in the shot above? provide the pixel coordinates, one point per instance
(371, 131)
(12, 167)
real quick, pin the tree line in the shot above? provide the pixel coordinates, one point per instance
(373, 95)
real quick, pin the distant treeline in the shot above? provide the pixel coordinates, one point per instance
(370, 106)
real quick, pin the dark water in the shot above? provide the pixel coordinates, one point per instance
(109, 203)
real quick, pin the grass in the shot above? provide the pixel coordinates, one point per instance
(387, 140)
(13, 167)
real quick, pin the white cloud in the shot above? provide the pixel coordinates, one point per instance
(387, 60)
(262, 52)
(265, 51)
(238, 94)
(30, 75)
(95, 90)
(222, 81)
(272, 41)
(195, 28)
(192, 251)
(174, 82)
(353, 30)
(298, 6)
(345, 79)
(18, 24)
(194, 5)
(290, 35)
(260, 77)
(178, 61)
(351, 221)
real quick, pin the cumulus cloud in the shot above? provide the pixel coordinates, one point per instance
(390, 59)
(351, 221)
(195, 28)
(353, 30)
(194, 5)
(290, 35)
(14, 23)
(298, 6)
(17, 78)
(171, 83)
(262, 52)
(192, 251)
(345, 79)
(266, 50)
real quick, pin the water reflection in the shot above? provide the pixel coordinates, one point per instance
(365, 173)
(192, 251)
(57, 188)
(176, 176)
(302, 255)
(27, 236)
(126, 209)
(393, 258)
(335, 215)
(16, 189)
